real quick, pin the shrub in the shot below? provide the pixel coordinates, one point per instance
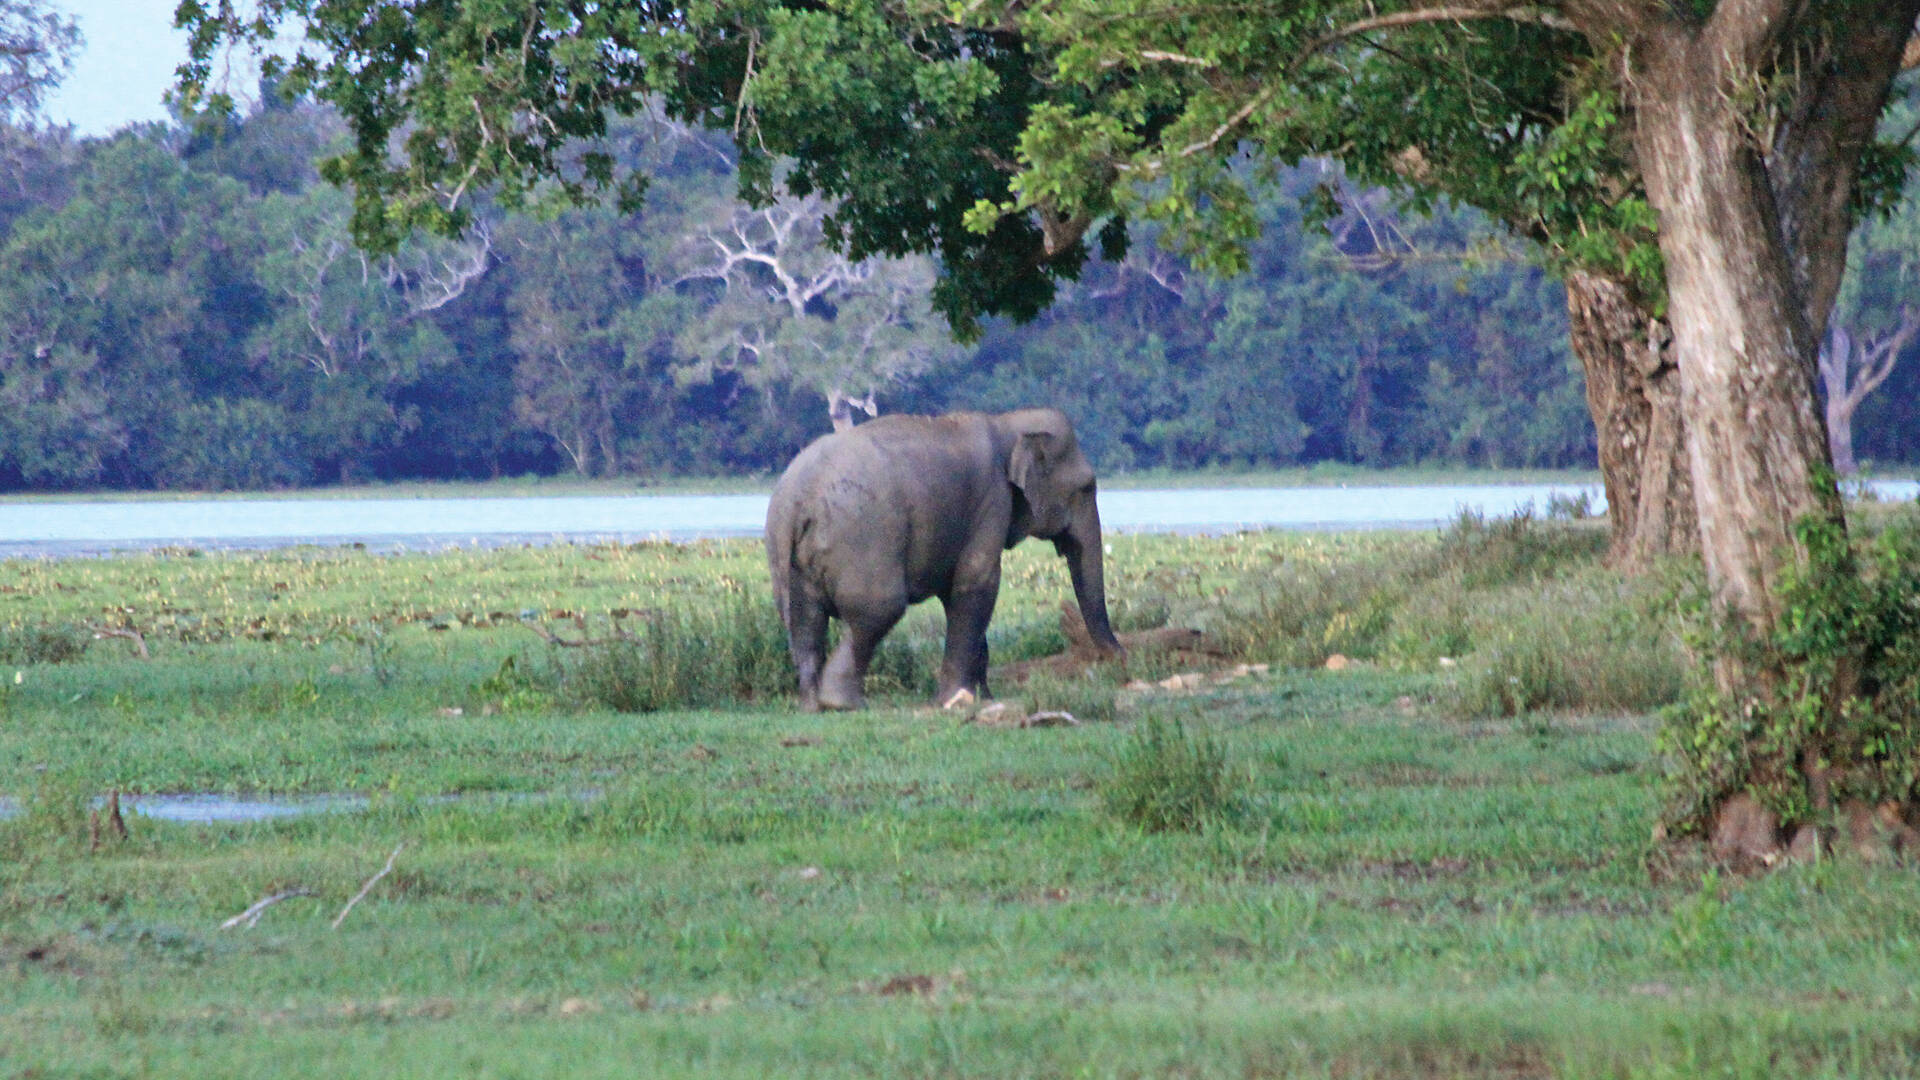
(1433, 623)
(1303, 616)
(1165, 779)
(908, 660)
(57, 810)
(1564, 507)
(1027, 639)
(1130, 614)
(42, 644)
(1846, 650)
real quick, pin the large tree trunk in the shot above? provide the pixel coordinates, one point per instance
(1633, 392)
(1746, 356)
(1632, 386)
(1755, 437)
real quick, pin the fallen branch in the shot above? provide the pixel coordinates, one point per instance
(139, 643)
(367, 888)
(251, 916)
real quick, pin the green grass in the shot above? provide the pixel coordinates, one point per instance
(1386, 885)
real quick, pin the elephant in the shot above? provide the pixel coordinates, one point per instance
(867, 521)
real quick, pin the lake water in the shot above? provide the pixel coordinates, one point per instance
(79, 528)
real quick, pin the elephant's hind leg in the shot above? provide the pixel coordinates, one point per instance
(842, 683)
(807, 641)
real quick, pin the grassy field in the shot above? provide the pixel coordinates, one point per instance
(1435, 862)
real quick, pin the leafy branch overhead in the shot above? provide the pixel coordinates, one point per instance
(994, 135)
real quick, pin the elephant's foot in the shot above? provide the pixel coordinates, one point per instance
(959, 695)
(841, 702)
(841, 679)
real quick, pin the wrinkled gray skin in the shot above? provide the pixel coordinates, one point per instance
(867, 521)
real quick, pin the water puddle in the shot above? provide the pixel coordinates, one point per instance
(216, 809)
(209, 809)
(206, 808)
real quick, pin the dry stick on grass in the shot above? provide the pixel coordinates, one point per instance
(139, 643)
(251, 916)
(368, 887)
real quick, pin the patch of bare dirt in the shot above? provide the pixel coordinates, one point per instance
(917, 985)
(57, 956)
(920, 985)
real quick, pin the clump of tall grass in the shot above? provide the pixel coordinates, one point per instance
(1477, 553)
(683, 657)
(1301, 616)
(1130, 614)
(42, 644)
(1589, 641)
(1411, 602)
(1167, 779)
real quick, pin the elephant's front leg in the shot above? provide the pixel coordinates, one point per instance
(968, 613)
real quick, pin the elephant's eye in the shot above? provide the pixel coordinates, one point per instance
(1087, 488)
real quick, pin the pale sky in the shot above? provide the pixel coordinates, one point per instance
(126, 64)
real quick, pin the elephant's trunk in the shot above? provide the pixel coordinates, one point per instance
(1086, 566)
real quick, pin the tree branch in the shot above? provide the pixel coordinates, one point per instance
(367, 888)
(251, 916)
(1532, 13)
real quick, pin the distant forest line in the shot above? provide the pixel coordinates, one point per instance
(184, 309)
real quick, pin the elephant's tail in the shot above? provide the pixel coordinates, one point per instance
(780, 553)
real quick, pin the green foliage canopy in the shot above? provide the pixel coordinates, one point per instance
(996, 134)
(909, 123)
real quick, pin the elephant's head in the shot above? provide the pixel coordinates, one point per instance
(1056, 485)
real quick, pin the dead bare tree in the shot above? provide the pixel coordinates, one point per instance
(1853, 366)
(793, 310)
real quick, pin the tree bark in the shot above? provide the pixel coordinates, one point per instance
(1842, 81)
(1755, 439)
(1633, 392)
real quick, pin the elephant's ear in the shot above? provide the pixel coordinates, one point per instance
(1031, 457)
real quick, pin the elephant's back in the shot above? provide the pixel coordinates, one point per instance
(876, 493)
(885, 453)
